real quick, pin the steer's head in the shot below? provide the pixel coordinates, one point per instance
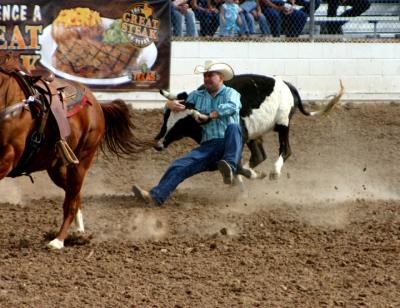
(177, 125)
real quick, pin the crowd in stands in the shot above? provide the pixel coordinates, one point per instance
(240, 17)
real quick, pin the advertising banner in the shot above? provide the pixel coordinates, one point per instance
(107, 45)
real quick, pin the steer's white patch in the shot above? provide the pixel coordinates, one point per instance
(275, 109)
(275, 174)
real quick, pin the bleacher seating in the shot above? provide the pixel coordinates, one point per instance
(382, 19)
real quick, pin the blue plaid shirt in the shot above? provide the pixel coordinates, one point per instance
(226, 102)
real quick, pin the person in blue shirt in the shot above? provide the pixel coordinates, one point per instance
(221, 144)
(229, 19)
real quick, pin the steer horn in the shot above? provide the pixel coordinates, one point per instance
(167, 94)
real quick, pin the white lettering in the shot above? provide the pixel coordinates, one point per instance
(37, 15)
(5, 11)
(13, 12)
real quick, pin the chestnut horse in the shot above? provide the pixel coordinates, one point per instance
(92, 125)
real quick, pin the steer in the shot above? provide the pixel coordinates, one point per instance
(268, 103)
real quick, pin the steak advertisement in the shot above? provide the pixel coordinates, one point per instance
(107, 45)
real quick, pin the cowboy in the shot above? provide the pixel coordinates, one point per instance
(221, 144)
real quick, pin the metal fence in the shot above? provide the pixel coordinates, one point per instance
(282, 20)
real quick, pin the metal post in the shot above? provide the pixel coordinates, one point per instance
(312, 22)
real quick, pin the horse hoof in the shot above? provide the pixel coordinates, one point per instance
(56, 244)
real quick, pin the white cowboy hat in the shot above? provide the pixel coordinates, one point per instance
(214, 66)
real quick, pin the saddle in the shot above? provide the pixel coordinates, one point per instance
(63, 99)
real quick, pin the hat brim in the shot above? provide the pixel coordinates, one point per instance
(222, 68)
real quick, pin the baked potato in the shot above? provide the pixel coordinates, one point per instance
(77, 23)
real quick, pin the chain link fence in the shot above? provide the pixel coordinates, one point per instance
(283, 20)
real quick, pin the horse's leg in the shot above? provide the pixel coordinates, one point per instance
(59, 176)
(284, 151)
(7, 156)
(72, 202)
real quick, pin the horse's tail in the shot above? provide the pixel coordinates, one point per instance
(326, 108)
(119, 138)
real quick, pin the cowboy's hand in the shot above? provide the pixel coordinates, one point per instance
(202, 118)
(175, 105)
(214, 115)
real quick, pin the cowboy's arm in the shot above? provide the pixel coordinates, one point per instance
(229, 107)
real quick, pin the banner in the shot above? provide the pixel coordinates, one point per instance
(107, 45)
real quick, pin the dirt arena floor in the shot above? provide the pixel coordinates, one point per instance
(326, 234)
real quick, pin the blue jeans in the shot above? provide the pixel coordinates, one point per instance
(292, 24)
(248, 23)
(202, 158)
(177, 20)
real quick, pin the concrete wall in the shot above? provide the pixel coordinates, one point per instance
(369, 71)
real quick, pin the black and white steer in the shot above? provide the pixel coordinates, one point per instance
(268, 103)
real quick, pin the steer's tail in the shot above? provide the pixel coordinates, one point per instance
(325, 109)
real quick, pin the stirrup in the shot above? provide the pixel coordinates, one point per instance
(67, 155)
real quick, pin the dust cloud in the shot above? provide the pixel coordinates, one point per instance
(139, 225)
(21, 190)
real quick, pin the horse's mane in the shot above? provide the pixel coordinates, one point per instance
(9, 63)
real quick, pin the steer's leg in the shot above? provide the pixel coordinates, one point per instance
(284, 150)
(258, 154)
(238, 181)
(250, 173)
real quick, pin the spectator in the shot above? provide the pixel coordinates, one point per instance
(248, 15)
(207, 15)
(357, 8)
(221, 145)
(306, 5)
(180, 9)
(282, 16)
(229, 18)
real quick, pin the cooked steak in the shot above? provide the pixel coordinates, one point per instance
(89, 58)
